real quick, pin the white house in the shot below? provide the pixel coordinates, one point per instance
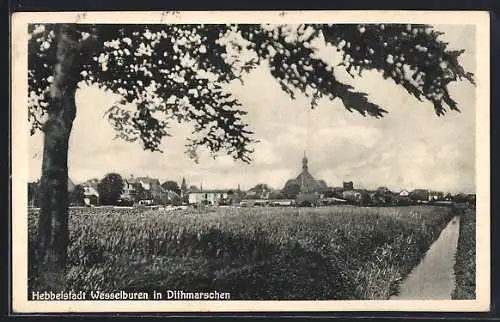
(211, 197)
(436, 195)
(149, 184)
(404, 193)
(90, 192)
(128, 188)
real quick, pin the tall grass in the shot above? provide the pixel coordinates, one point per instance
(254, 253)
(465, 263)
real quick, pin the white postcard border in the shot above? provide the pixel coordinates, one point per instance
(19, 153)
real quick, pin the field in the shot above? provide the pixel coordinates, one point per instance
(465, 265)
(341, 252)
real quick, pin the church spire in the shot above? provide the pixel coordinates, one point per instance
(183, 187)
(304, 162)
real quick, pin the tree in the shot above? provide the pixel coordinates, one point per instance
(291, 190)
(33, 194)
(276, 194)
(460, 198)
(365, 199)
(323, 186)
(177, 73)
(77, 196)
(172, 186)
(110, 188)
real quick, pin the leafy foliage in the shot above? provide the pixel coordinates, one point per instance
(77, 196)
(110, 188)
(276, 194)
(172, 186)
(411, 55)
(291, 189)
(179, 73)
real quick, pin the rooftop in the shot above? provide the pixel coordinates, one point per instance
(212, 191)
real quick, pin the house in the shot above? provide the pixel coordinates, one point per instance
(333, 192)
(128, 189)
(404, 193)
(425, 195)
(171, 197)
(151, 185)
(436, 195)
(209, 197)
(91, 194)
(402, 197)
(419, 195)
(260, 191)
(348, 185)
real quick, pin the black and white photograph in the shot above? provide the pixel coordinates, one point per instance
(178, 161)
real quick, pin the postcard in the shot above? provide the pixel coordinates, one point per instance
(259, 161)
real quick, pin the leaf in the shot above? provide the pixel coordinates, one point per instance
(177, 73)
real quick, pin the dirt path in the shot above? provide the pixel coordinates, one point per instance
(433, 278)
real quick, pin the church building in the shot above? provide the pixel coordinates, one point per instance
(307, 183)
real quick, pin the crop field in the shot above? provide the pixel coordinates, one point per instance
(339, 252)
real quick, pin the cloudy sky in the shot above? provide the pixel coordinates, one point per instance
(409, 148)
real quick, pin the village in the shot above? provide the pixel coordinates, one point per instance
(304, 190)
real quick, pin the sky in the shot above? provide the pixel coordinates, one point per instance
(410, 147)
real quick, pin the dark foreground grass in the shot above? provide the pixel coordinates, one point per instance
(465, 263)
(254, 253)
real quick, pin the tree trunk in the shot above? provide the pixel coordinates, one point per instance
(53, 231)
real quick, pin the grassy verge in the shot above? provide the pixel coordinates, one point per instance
(465, 263)
(255, 253)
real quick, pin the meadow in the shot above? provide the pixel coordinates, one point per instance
(339, 252)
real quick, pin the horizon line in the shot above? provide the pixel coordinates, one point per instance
(361, 187)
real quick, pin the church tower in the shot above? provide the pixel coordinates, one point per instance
(304, 184)
(304, 163)
(183, 188)
(306, 181)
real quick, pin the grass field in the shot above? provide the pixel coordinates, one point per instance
(339, 252)
(465, 264)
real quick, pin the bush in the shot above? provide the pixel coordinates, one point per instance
(125, 202)
(465, 265)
